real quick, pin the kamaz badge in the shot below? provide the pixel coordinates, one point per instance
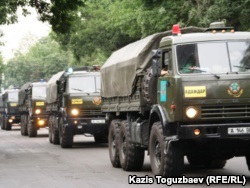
(97, 100)
(235, 90)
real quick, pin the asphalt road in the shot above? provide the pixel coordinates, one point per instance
(34, 162)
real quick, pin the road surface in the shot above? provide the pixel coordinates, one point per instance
(34, 162)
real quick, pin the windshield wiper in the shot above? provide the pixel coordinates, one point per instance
(245, 67)
(39, 97)
(76, 89)
(201, 70)
(80, 90)
(12, 99)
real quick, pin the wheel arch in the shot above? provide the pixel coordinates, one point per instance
(158, 113)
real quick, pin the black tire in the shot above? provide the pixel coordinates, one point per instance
(113, 143)
(24, 128)
(3, 123)
(50, 129)
(66, 135)
(195, 159)
(22, 125)
(215, 163)
(7, 125)
(207, 162)
(169, 164)
(131, 157)
(101, 138)
(248, 161)
(54, 131)
(149, 87)
(32, 129)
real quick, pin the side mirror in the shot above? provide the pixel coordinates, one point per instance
(156, 64)
(58, 82)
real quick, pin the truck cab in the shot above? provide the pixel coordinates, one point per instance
(76, 108)
(11, 114)
(32, 105)
(205, 94)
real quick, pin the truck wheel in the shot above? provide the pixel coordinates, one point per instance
(66, 135)
(202, 160)
(195, 159)
(21, 124)
(26, 125)
(101, 138)
(215, 163)
(3, 124)
(54, 131)
(32, 130)
(131, 157)
(113, 143)
(7, 125)
(24, 130)
(248, 161)
(149, 87)
(169, 164)
(50, 129)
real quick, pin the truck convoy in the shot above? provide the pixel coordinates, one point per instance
(74, 106)
(200, 108)
(32, 106)
(9, 109)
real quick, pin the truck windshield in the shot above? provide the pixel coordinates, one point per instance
(39, 92)
(85, 84)
(13, 96)
(214, 57)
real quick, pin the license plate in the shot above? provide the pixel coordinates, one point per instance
(97, 121)
(238, 130)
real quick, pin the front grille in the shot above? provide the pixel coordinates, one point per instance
(91, 112)
(225, 112)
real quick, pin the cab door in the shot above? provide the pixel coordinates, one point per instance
(166, 84)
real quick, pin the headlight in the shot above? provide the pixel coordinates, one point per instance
(41, 122)
(74, 112)
(38, 111)
(191, 112)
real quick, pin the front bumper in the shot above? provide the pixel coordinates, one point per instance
(216, 131)
(88, 125)
(13, 119)
(40, 120)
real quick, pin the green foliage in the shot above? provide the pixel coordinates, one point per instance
(93, 29)
(42, 61)
(1, 70)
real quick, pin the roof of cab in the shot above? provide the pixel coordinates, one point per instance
(204, 37)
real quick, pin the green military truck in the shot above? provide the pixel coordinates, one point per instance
(9, 110)
(201, 111)
(74, 106)
(32, 106)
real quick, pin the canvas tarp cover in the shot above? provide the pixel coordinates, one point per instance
(21, 93)
(120, 70)
(51, 90)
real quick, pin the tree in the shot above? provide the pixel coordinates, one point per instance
(55, 11)
(43, 60)
(1, 71)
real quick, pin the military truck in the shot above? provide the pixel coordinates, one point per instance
(74, 106)
(32, 106)
(200, 111)
(9, 110)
